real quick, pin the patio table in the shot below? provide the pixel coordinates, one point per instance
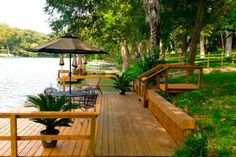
(68, 94)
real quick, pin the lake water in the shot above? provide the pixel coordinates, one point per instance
(20, 77)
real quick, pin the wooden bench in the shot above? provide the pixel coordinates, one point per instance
(176, 122)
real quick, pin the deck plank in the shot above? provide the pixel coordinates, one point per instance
(128, 129)
(124, 128)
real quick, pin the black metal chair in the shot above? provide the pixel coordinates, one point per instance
(49, 91)
(88, 100)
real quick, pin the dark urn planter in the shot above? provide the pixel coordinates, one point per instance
(49, 143)
(122, 92)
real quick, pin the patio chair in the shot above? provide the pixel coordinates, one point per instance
(49, 91)
(94, 83)
(88, 100)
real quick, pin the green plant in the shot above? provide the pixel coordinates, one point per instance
(150, 60)
(122, 83)
(194, 146)
(49, 103)
(213, 106)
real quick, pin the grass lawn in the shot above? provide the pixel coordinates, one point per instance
(214, 108)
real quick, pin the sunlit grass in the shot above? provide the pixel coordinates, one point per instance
(214, 108)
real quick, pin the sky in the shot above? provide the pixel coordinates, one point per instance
(24, 14)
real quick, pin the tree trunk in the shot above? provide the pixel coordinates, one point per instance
(124, 54)
(202, 47)
(162, 52)
(184, 47)
(196, 31)
(152, 8)
(228, 43)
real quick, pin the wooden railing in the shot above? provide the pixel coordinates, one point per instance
(210, 58)
(14, 137)
(64, 81)
(233, 57)
(159, 70)
(206, 59)
(139, 86)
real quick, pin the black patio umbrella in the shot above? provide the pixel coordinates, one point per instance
(68, 44)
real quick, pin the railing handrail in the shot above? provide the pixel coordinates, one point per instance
(13, 137)
(155, 74)
(150, 71)
(173, 66)
(48, 114)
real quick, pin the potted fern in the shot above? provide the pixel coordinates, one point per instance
(46, 102)
(122, 83)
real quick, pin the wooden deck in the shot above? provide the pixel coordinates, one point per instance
(34, 148)
(127, 129)
(124, 128)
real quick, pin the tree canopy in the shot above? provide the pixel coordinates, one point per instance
(16, 41)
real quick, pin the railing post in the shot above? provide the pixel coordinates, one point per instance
(13, 135)
(92, 136)
(208, 59)
(158, 81)
(166, 81)
(187, 75)
(145, 94)
(139, 87)
(180, 58)
(222, 59)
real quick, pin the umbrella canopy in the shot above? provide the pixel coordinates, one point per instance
(68, 44)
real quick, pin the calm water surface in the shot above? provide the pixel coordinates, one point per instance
(20, 77)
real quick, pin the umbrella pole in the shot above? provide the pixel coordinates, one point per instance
(70, 73)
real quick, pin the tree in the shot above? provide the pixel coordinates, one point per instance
(196, 31)
(152, 8)
(17, 41)
(111, 25)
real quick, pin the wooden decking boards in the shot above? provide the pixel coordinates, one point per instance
(124, 128)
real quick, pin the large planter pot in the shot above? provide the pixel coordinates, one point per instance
(49, 143)
(122, 92)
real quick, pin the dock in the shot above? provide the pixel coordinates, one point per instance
(124, 128)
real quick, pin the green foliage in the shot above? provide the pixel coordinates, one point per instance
(49, 103)
(148, 62)
(195, 146)
(17, 40)
(105, 24)
(122, 83)
(214, 107)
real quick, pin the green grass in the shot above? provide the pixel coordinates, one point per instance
(214, 108)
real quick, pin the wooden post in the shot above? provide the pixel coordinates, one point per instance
(166, 79)
(187, 75)
(144, 95)
(158, 81)
(64, 83)
(222, 59)
(13, 135)
(139, 87)
(92, 136)
(200, 78)
(179, 58)
(208, 59)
